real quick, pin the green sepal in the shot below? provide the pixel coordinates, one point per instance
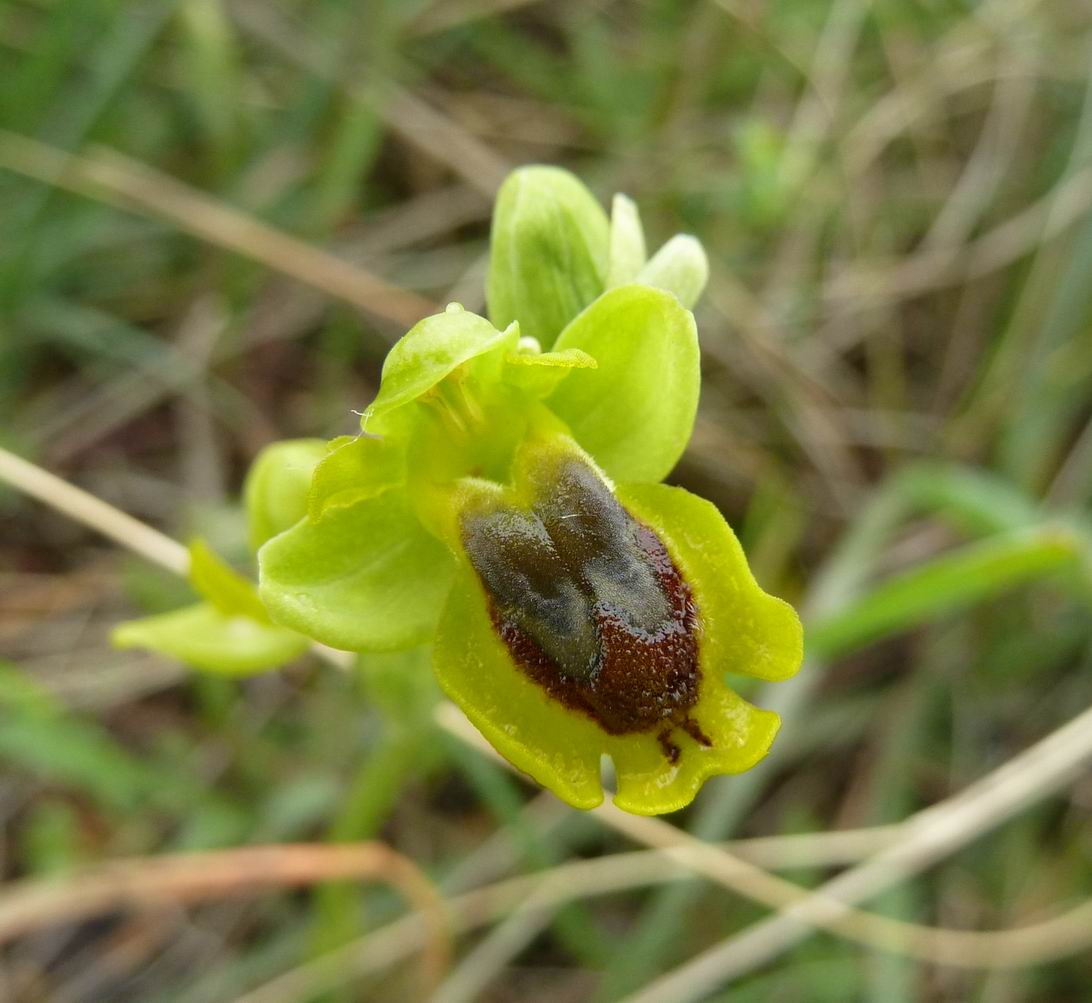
(206, 638)
(364, 577)
(223, 586)
(549, 247)
(277, 484)
(680, 267)
(627, 242)
(229, 632)
(538, 374)
(634, 413)
(355, 468)
(432, 350)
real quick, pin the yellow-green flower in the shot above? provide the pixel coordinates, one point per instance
(503, 504)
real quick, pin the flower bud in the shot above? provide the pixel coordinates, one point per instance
(679, 267)
(627, 242)
(277, 486)
(549, 249)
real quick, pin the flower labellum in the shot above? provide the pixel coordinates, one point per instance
(591, 606)
(596, 619)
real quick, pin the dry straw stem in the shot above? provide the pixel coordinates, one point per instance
(141, 883)
(985, 49)
(926, 837)
(536, 894)
(110, 177)
(531, 898)
(940, 267)
(466, 982)
(91, 511)
(975, 51)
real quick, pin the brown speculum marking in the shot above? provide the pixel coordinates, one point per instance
(591, 606)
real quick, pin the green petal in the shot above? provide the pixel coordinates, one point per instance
(366, 577)
(431, 350)
(538, 374)
(229, 633)
(548, 251)
(226, 589)
(635, 412)
(275, 492)
(745, 630)
(680, 267)
(353, 469)
(627, 242)
(557, 747)
(206, 638)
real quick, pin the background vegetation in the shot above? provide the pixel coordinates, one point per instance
(216, 215)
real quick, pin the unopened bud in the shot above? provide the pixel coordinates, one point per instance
(548, 254)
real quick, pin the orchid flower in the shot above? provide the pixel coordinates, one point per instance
(503, 503)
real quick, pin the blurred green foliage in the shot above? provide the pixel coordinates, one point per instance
(897, 346)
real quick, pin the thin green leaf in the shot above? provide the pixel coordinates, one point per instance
(944, 585)
(38, 734)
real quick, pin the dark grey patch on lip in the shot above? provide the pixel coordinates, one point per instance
(589, 603)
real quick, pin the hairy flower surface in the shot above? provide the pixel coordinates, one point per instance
(590, 622)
